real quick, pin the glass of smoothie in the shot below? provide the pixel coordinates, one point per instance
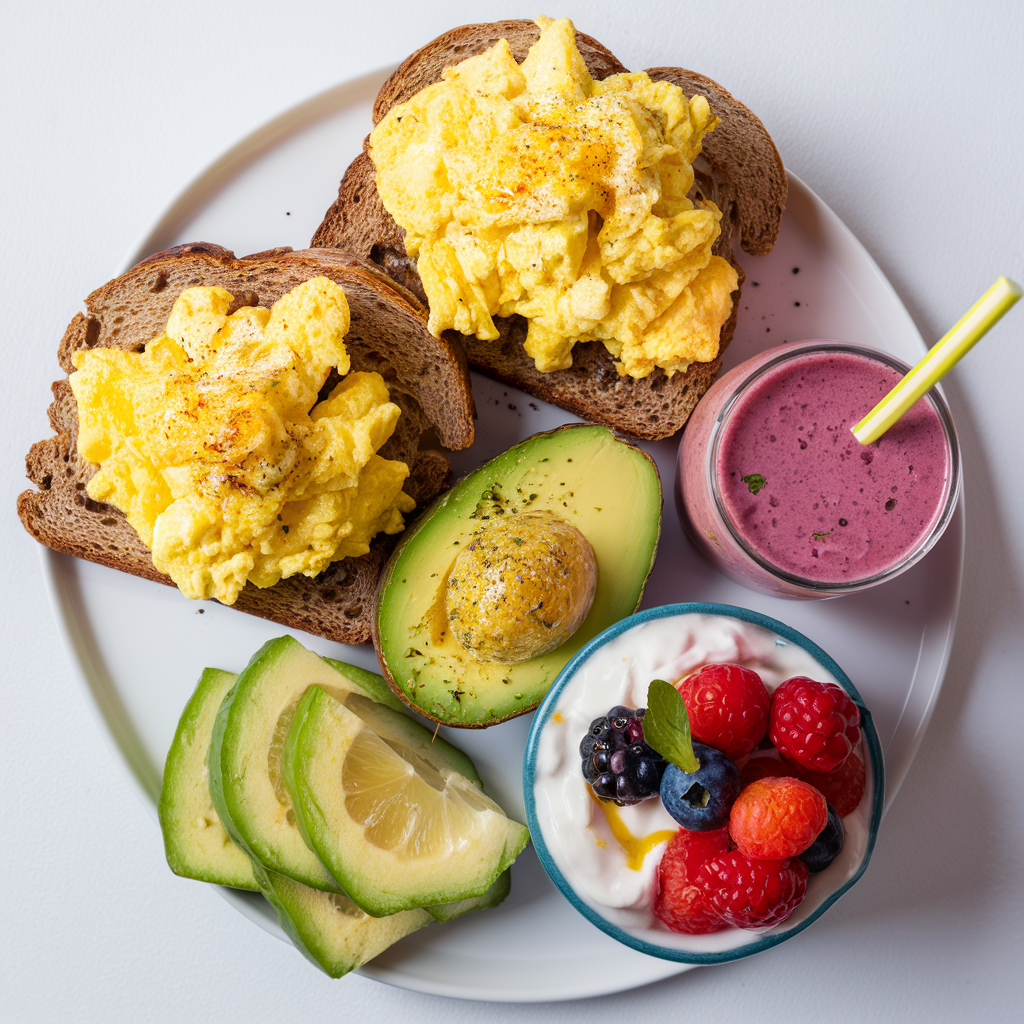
(774, 488)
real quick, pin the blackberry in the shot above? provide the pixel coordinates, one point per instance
(617, 763)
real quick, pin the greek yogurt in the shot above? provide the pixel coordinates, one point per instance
(609, 855)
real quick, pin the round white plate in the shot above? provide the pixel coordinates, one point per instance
(141, 647)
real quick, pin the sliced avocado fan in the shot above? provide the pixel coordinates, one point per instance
(327, 927)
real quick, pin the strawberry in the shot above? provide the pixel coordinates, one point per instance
(773, 818)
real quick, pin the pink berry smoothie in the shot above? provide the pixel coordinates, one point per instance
(775, 488)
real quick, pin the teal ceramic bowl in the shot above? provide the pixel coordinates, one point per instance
(604, 859)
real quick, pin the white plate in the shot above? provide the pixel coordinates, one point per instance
(140, 647)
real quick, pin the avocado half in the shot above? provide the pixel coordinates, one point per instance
(605, 487)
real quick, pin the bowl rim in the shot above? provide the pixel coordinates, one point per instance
(546, 708)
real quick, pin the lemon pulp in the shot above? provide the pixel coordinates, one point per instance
(403, 804)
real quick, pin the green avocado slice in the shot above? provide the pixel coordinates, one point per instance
(387, 810)
(329, 929)
(444, 912)
(605, 487)
(371, 682)
(196, 843)
(247, 746)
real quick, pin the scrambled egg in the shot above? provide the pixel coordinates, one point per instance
(213, 445)
(534, 189)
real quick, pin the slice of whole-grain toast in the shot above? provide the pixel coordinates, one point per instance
(426, 377)
(739, 170)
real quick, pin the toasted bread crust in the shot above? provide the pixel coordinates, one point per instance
(427, 379)
(743, 159)
(424, 67)
(742, 173)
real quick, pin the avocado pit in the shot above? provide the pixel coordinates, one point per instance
(579, 477)
(521, 588)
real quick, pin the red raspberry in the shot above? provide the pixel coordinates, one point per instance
(842, 787)
(752, 893)
(814, 725)
(680, 905)
(728, 707)
(776, 818)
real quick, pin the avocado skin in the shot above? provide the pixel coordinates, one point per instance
(606, 487)
(334, 939)
(204, 852)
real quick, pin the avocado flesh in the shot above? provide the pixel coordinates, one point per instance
(248, 795)
(608, 489)
(196, 843)
(329, 929)
(370, 682)
(443, 912)
(448, 843)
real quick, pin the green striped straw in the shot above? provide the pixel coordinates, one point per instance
(940, 359)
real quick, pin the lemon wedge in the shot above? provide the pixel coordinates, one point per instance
(388, 814)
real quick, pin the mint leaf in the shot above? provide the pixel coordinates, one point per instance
(754, 482)
(667, 726)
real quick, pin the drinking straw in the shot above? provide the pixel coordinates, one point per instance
(940, 359)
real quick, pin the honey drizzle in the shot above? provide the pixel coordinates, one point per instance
(636, 849)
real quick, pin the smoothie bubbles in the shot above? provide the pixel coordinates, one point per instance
(774, 488)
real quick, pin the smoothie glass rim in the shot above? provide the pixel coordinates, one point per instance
(915, 554)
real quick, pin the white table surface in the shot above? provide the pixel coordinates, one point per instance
(906, 118)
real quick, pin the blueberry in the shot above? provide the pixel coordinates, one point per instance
(826, 847)
(700, 801)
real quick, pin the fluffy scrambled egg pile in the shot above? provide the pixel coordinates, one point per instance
(534, 189)
(213, 445)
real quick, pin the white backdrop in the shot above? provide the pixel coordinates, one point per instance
(906, 118)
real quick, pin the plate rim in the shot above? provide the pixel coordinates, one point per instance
(206, 183)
